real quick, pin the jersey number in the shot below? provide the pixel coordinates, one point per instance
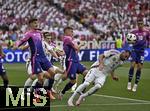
(140, 37)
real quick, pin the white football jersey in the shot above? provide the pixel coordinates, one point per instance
(47, 48)
(111, 61)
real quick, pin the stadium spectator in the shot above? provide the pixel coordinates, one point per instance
(99, 19)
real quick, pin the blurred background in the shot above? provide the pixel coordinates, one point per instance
(100, 20)
(101, 24)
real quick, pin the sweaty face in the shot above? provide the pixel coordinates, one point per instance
(124, 56)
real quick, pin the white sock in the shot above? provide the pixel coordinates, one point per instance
(92, 90)
(59, 82)
(57, 78)
(46, 82)
(74, 87)
(79, 89)
(28, 83)
(33, 84)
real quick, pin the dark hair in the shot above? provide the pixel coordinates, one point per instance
(66, 28)
(45, 33)
(139, 20)
(32, 20)
(128, 51)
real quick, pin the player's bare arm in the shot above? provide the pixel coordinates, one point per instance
(24, 47)
(1, 52)
(114, 77)
(54, 54)
(101, 61)
(78, 47)
(59, 51)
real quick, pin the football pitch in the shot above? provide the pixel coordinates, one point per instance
(113, 96)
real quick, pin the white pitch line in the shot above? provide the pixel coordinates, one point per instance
(33, 107)
(113, 104)
(123, 98)
(59, 106)
(116, 97)
(8, 85)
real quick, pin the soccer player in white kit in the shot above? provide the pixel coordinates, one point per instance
(106, 64)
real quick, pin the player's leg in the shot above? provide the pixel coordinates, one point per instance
(47, 86)
(31, 78)
(138, 75)
(138, 71)
(47, 66)
(82, 70)
(29, 84)
(88, 93)
(60, 78)
(36, 69)
(131, 73)
(75, 85)
(131, 70)
(58, 70)
(38, 83)
(29, 81)
(48, 82)
(99, 81)
(67, 87)
(57, 77)
(5, 80)
(88, 79)
(71, 71)
(51, 71)
(4, 75)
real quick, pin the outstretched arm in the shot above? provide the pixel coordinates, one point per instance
(69, 42)
(1, 52)
(24, 47)
(22, 41)
(78, 47)
(53, 53)
(101, 61)
(113, 76)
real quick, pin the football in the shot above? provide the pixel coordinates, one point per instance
(131, 38)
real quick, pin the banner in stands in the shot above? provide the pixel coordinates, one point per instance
(93, 44)
(18, 56)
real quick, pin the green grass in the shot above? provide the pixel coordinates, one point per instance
(17, 76)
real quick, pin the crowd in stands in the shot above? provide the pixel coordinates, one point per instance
(99, 19)
(108, 18)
